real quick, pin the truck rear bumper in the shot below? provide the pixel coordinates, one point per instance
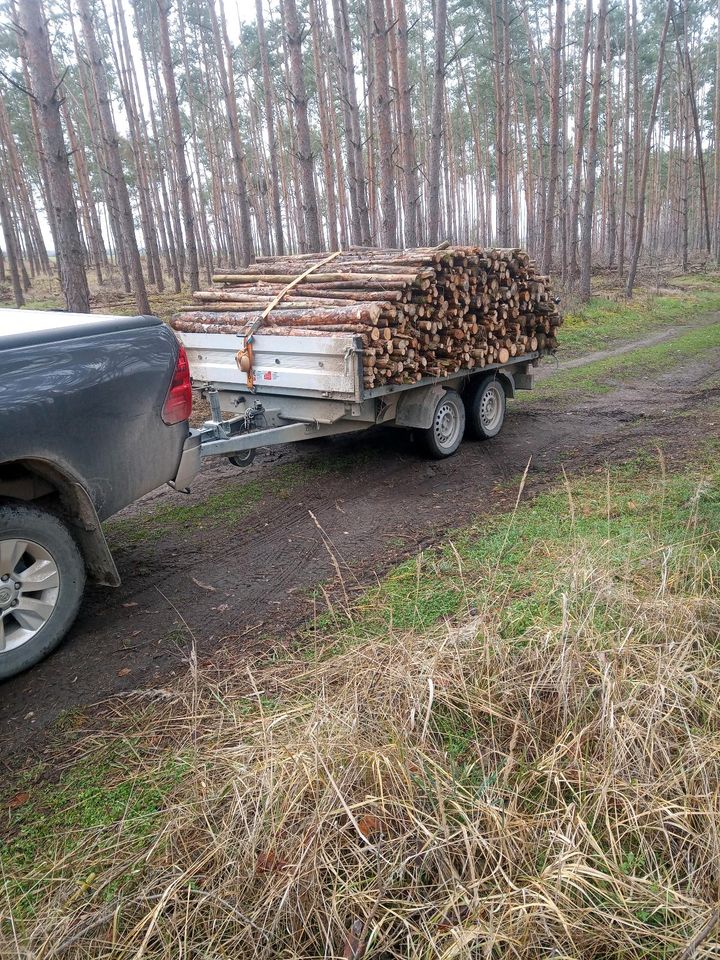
(189, 464)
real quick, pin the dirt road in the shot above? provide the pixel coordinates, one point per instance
(232, 582)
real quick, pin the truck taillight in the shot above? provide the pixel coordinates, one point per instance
(178, 402)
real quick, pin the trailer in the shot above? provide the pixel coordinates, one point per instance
(305, 387)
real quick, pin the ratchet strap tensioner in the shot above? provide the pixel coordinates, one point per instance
(244, 358)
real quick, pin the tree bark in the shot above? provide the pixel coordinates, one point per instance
(300, 107)
(112, 154)
(45, 89)
(436, 122)
(10, 247)
(632, 273)
(325, 127)
(681, 39)
(223, 53)
(383, 111)
(270, 125)
(625, 146)
(578, 145)
(716, 143)
(178, 145)
(557, 42)
(590, 181)
(610, 178)
(407, 130)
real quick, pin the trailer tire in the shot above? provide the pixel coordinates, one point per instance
(485, 409)
(445, 435)
(47, 604)
(243, 459)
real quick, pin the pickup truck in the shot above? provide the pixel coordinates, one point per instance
(93, 414)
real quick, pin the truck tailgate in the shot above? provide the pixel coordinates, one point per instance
(302, 366)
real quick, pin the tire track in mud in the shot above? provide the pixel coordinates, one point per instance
(228, 586)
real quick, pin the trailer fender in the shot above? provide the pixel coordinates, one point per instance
(416, 408)
(507, 381)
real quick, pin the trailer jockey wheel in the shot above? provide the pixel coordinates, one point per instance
(242, 459)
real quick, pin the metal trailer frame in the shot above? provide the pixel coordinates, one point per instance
(308, 387)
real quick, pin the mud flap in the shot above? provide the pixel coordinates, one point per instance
(416, 408)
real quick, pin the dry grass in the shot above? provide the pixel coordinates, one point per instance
(453, 794)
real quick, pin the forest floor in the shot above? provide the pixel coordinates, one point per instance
(146, 796)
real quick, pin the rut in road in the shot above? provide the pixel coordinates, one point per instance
(233, 585)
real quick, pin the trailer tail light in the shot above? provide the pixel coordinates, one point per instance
(178, 402)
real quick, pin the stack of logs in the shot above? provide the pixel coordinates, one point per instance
(425, 312)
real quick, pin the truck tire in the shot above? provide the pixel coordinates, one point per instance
(42, 577)
(444, 436)
(485, 409)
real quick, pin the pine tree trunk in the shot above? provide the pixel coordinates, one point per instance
(579, 145)
(353, 135)
(557, 41)
(505, 226)
(164, 219)
(383, 111)
(325, 131)
(11, 247)
(300, 107)
(684, 56)
(625, 146)
(270, 126)
(178, 146)
(637, 126)
(47, 99)
(632, 273)
(610, 179)
(112, 154)
(436, 122)
(407, 131)
(590, 181)
(223, 52)
(141, 149)
(716, 143)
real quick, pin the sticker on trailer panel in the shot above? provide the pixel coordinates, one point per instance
(267, 375)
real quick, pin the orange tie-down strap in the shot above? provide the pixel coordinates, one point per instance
(244, 357)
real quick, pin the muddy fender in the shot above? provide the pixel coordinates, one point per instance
(416, 408)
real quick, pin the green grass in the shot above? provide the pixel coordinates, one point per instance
(45, 303)
(601, 376)
(698, 281)
(234, 501)
(45, 820)
(603, 321)
(510, 562)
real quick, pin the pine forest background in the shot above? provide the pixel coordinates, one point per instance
(145, 143)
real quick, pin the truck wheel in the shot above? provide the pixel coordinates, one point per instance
(443, 438)
(42, 576)
(485, 407)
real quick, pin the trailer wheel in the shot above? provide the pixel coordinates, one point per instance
(485, 408)
(444, 436)
(42, 577)
(243, 459)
